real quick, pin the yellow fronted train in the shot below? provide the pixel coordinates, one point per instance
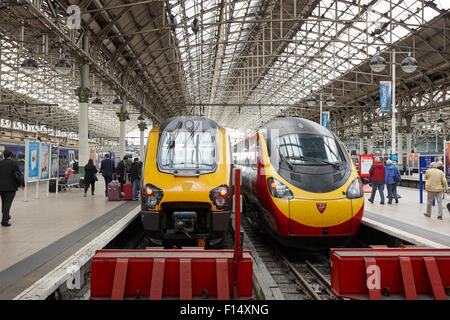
(300, 184)
(186, 182)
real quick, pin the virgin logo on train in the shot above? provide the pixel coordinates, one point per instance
(321, 207)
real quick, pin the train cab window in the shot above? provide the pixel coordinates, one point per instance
(192, 150)
(309, 148)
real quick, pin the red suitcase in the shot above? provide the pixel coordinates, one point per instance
(114, 191)
(128, 191)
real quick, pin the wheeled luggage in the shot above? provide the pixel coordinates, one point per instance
(114, 191)
(52, 186)
(128, 191)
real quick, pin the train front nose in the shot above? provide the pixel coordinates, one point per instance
(331, 217)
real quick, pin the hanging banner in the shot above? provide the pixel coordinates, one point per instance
(54, 161)
(44, 161)
(385, 96)
(447, 160)
(32, 160)
(326, 119)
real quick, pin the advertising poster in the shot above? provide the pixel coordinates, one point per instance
(447, 160)
(33, 160)
(71, 157)
(385, 96)
(55, 162)
(411, 160)
(365, 162)
(416, 160)
(44, 161)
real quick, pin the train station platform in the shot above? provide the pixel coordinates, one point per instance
(48, 230)
(405, 220)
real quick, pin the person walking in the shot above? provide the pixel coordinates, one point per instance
(107, 169)
(376, 177)
(121, 171)
(10, 180)
(435, 185)
(135, 176)
(440, 165)
(391, 178)
(90, 176)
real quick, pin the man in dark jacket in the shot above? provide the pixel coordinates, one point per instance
(135, 176)
(8, 184)
(121, 171)
(107, 169)
(377, 177)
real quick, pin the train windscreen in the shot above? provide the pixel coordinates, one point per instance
(188, 150)
(309, 148)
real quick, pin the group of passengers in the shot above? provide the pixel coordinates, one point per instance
(126, 171)
(388, 174)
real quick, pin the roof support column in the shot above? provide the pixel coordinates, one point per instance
(409, 131)
(361, 131)
(83, 93)
(123, 116)
(142, 126)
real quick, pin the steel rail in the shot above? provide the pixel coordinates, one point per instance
(318, 274)
(301, 279)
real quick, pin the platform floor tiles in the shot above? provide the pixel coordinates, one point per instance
(38, 223)
(409, 213)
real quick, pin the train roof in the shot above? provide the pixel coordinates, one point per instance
(296, 125)
(186, 122)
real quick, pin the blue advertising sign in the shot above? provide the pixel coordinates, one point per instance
(424, 163)
(33, 160)
(326, 119)
(394, 157)
(385, 96)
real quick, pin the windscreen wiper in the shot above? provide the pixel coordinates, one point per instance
(320, 160)
(286, 161)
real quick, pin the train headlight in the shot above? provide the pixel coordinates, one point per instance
(279, 189)
(219, 196)
(355, 189)
(152, 196)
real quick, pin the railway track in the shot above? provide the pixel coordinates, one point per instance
(298, 275)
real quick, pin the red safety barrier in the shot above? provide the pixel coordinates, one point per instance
(156, 273)
(391, 273)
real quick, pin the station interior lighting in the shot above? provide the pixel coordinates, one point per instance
(311, 101)
(63, 66)
(409, 64)
(29, 65)
(378, 63)
(331, 100)
(118, 101)
(421, 119)
(97, 100)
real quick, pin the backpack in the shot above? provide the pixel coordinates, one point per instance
(396, 179)
(128, 166)
(75, 166)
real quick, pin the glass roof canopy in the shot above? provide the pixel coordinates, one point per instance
(335, 39)
(249, 60)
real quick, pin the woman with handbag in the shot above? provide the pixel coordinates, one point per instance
(10, 180)
(392, 178)
(90, 176)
